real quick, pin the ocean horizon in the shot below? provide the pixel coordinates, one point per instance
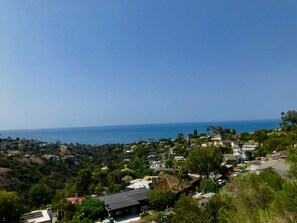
(132, 133)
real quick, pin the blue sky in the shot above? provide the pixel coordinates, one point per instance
(87, 63)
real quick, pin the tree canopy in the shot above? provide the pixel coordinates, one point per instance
(160, 200)
(10, 206)
(289, 118)
(205, 160)
(187, 209)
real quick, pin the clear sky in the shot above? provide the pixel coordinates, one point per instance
(89, 63)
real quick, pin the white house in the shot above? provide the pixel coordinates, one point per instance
(40, 216)
(237, 151)
(157, 165)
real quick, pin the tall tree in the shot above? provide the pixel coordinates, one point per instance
(159, 200)
(83, 181)
(10, 206)
(205, 160)
(289, 118)
(91, 209)
(260, 135)
(40, 194)
(292, 160)
(187, 209)
(219, 130)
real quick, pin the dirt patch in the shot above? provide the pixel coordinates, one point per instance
(4, 170)
(36, 160)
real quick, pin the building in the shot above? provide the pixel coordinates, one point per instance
(40, 216)
(278, 155)
(179, 158)
(231, 158)
(280, 166)
(157, 165)
(237, 151)
(139, 183)
(125, 203)
(168, 182)
(76, 199)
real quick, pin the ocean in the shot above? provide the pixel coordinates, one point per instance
(131, 133)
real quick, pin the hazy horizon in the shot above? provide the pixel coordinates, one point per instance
(107, 63)
(145, 124)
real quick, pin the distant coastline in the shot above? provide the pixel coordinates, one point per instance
(131, 133)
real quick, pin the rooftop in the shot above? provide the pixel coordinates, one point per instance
(124, 199)
(35, 217)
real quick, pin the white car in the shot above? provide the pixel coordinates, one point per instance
(235, 174)
(221, 182)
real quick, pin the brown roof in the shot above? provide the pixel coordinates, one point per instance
(75, 200)
(127, 178)
(174, 183)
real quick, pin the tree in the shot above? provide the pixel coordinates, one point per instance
(253, 193)
(292, 136)
(180, 137)
(39, 194)
(289, 118)
(216, 130)
(205, 160)
(275, 144)
(10, 206)
(159, 200)
(66, 210)
(260, 135)
(248, 154)
(285, 203)
(195, 133)
(187, 210)
(210, 186)
(91, 209)
(168, 163)
(98, 188)
(292, 160)
(218, 206)
(272, 179)
(83, 181)
(250, 202)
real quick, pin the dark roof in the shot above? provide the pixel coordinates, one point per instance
(124, 199)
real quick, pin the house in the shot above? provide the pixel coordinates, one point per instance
(105, 168)
(231, 158)
(280, 166)
(127, 178)
(39, 216)
(125, 203)
(278, 155)
(139, 183)
(169, 182)
(76, 199)
(179, 158)
(193, 145)
(250, 147)
(236, 149)
(151, 178)
(203, 198)
(217, 141)
(157, 165)
(241, 151)
(51, 157)
(254, 165)
(206, 144)
(151, 158)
